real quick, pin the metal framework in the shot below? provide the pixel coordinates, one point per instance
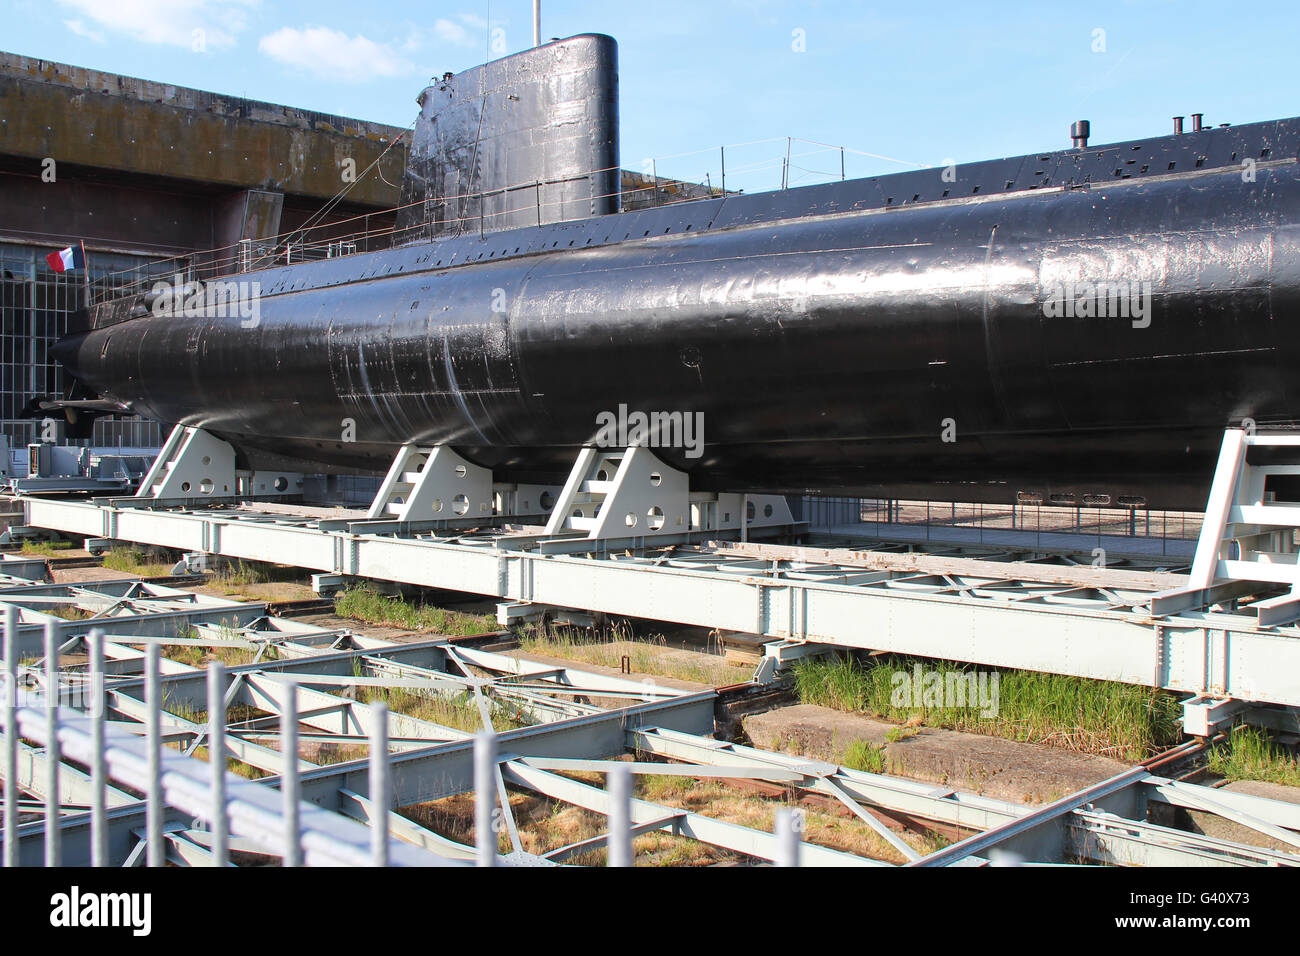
(1119, 623)
(104, 765)
(113, 791)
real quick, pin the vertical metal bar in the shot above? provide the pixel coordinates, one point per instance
(53, 757)
(10, 689)
(291, 787)
(217, 762)
(485, 763)
(98, 765)
(841, 164)
(381, 787)
(156, 854)
(618, 786)
(723, 151)
(787, 838)
(537, 22)
(654, 177)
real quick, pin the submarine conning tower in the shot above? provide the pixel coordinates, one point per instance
(529, 139)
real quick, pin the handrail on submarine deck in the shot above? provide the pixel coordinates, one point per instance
(285, 248)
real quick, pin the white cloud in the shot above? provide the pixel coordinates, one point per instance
(332, 54)
(172, 22)
(466, 30)
(453, 32)
(81, 30)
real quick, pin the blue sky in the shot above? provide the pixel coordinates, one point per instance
(920, 83)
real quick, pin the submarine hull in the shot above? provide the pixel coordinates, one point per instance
(1080, 339)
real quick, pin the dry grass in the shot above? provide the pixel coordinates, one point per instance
(199, 656)
(546, 825)
(374, 608)
(234, 656)
(324, 754)
(138, 562)
(236, 714)
(1252, 753)
(1124, 721)
(649, 655)
(46, 549)
(459, 712)
(720, 801)
(259, 581)
(245, 770)
(69, 612)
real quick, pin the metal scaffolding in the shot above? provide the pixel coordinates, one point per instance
(118, 750)
(1130, 622)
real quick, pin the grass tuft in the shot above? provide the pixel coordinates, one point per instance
(865, 756)
(1250, 753)
(135, 561)
(373, 608)
(459, 712)
(46, 549)
(608, 646)
(1125, 721)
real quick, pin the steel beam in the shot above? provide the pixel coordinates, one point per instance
(1099, 633)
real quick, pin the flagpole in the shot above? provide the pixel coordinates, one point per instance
(86, 265)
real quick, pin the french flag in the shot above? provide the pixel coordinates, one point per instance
(73, 257)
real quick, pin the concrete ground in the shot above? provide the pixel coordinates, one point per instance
(1215, 826)
(1005, 769)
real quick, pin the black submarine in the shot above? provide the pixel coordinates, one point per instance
(1076, 326)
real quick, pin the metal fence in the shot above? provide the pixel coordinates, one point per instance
(64, 711)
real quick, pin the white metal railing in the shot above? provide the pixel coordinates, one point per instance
(36, 706)
(777, 167)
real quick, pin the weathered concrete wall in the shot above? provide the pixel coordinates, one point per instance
(109, 122)
(145, 171)
(108, 215)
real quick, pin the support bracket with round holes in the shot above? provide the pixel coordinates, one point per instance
(628, 492)
(432, 482)
(194, 464)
